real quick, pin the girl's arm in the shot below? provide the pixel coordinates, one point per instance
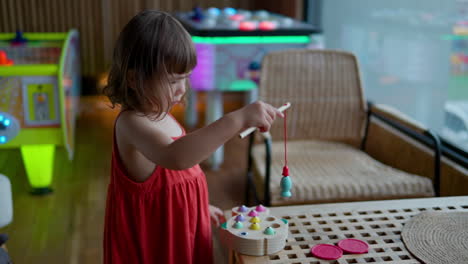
(149, 138)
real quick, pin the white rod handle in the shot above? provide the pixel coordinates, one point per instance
(249, 130)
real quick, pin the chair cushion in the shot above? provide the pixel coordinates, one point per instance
(334, 172)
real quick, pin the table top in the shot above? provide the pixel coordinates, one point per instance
(379, 223)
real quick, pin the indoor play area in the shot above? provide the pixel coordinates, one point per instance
(356, 153)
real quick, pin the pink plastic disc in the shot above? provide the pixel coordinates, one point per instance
(353, 246)
(326, 251)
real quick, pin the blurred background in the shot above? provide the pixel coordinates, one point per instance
(413, 57)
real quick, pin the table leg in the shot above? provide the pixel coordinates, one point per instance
(191, 117)
(214, 112)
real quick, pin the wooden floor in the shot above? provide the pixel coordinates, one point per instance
(67, 226)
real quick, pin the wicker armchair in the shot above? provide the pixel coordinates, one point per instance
(327, 125)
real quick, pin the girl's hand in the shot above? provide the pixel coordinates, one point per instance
(259, 114)
(216, 215)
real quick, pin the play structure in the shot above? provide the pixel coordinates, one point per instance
(230, 46)
(39, 94)
(253, 231)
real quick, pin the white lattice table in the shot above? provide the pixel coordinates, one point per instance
(379, 223)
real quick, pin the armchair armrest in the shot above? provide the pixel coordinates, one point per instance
(411, 129)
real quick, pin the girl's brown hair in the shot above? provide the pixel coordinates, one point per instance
(150, 48)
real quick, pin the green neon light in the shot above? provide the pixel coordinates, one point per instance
(39, 162)
(27, 136)
(36, 36)
(242, 85)
(251, 40)
(454, 37)
(29, 69)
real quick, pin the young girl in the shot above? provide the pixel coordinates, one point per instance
(157, 201)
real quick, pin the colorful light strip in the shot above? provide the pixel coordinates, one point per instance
(251, 40)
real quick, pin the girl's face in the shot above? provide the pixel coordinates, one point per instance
(178, 84)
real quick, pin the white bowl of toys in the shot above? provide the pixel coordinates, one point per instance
(253, 231)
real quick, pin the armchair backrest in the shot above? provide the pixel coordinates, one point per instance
(324, 88)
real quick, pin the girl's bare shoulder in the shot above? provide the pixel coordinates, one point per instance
(132, 123)
(133, 119)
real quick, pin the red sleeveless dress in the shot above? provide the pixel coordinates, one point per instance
(164, 219)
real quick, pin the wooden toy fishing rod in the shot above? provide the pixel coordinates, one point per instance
(286, 183)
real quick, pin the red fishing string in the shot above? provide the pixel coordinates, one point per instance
(285, 167)
(285, 141)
